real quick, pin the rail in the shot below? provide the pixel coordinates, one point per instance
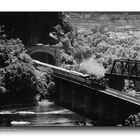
(108, 91)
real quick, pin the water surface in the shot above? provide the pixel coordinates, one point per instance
(45, 114)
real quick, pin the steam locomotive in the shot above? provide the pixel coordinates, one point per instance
(85, 79)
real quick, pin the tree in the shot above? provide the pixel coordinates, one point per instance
(21, 79)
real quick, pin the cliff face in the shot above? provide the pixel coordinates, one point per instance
(30, 27)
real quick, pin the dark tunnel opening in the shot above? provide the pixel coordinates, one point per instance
(43, 57)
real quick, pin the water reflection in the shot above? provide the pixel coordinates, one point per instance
(45, 114)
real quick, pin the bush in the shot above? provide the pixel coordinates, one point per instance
(44, 79)
(18, 76)
(133, 120)
(21, 82)
(10, 50)
(51, 90)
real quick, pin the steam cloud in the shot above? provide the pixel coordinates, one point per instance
(91, 67)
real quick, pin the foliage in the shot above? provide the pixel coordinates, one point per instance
(21, 80)
(133, 120)
(45, 84)
(10, 51)
(66, 25)
(105, 43)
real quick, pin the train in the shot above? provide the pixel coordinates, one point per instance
(85, 79)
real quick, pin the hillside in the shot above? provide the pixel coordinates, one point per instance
(102, 37)
(87, 20)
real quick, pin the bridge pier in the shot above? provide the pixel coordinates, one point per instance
(73, 98)
(78, 99)
(137, 85)
(87, 101)
(116, 82)
(61, 93)
(105, 109)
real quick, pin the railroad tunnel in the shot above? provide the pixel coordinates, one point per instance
(43, 57)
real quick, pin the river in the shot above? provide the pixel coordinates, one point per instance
(44, 114)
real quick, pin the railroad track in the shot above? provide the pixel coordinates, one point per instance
(108, 91)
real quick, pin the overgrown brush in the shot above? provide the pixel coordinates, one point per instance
(20, 81)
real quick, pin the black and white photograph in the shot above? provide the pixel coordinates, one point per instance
(69, 69)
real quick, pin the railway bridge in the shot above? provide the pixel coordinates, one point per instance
(107, 106)
(122, 70)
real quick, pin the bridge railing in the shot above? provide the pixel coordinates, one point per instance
(125, 67)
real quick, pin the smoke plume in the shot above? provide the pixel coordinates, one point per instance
(91, 67)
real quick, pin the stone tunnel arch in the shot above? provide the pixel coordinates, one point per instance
(46, 53)
(43, 57)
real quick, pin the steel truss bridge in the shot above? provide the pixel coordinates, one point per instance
(126, 68)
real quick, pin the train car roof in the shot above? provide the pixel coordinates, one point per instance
(60, 68)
